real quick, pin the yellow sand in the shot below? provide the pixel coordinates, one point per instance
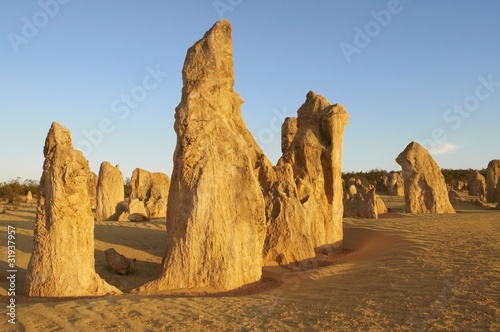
(406, 272)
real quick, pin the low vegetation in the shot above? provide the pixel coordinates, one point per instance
(12, 190)
(451, 176)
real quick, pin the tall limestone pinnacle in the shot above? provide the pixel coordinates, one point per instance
(62, 263)
(304, 205)
(215, 216)
(229, 210)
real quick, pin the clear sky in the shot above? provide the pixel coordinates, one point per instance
(110, 71)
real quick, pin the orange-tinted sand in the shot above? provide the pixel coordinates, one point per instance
(401, 272)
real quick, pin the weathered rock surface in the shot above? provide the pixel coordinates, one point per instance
(477, 184)
(92, 188)
(454, 197)
(215, 216)
(152, 189)
(425, 187)
(395, 184)
(288, 240)
(117, 262)
(493, 182)
(362, 202)
(110, 192)
(62, 263)
(459, 185)
(288, 131)
(382, 185)
(304, 208)
(133, 211)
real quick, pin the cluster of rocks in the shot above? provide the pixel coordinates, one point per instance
(487, 189)
(147, 200)
(392, 184)
(152, 190)
(361, 200)
(229, 209)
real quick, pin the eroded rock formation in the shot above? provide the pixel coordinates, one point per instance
(395, 184)
(110, 192)
(425, 187)
(493, 182)
(117, 262)
(92, 188)
(215, 216)
(477, 184)
(362, 202)
(382, 185)
(304, 205)
(133, 211)
(29, 197)
(62, 263)
(152, 189)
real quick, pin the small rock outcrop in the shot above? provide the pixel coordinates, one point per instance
(395, 184)
(382, 185)
(493, 182)
(29, 197)
(110, 192)
(454, 197)
(215, 218)
(133, 211)
(62, 263)
(117, 262)
(92, 188)
(425, 187)
(152, 189)
(477, 184)
(362, 202)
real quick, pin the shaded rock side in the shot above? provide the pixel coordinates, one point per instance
(382, 185)
(152, 189)
(493, 182)
(62, 263)
(133, 211)
(363, 203)
(92, 188)
(110, 192)
(477, 184)
(215, 215)
(395, 184)
(425, 187)
(117, 262)
(288, 238)
(304, 207)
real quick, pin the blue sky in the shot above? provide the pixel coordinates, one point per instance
(426, 71)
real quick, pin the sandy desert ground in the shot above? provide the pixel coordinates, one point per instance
(402, 272)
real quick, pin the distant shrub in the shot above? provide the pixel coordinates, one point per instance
(371, 176)
(12, 190)
(451, 176)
